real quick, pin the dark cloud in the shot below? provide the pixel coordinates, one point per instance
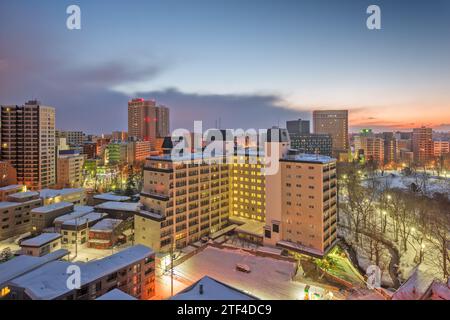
(234, 110)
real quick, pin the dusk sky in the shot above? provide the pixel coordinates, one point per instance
(253, 63)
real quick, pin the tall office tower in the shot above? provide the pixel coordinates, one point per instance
(28, 143)
(334, 123)
(162, 121)
(298, 126)
(142, 119)
(422, 143)
(302, 205)
(369, 146)
(391, 151)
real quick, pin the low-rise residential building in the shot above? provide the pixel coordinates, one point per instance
(119, 210)
(41, 245)
(76, 231)
(105, 197)
(77, 196)
(131, 270)
(116, 295)
(21, 265)
(78, 212)
(10, 189)
(104, 234)
(43, 217)
(15, 214)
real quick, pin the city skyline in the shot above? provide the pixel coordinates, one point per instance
(218, 60)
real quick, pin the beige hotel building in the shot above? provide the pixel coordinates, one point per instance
(182, 202)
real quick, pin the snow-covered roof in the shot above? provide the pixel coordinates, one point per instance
(119, 206)
(78, 211)
(299, 247)
(52, 207)
(415, 287)
(50, 281)
(7, 204)
(315, 158)
(106, 225)
(40, 240)
(210, 289)
(11, 187)
(22, 195)
(52, 193)
(439, 291)
(88, 218)
(23, 264)
(116, 294)
(111, 197)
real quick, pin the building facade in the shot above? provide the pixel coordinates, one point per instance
(334, 123)
(422, 144)
(28, 143)
(302, 205)
(69, 172)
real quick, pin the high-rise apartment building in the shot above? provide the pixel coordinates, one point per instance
(28, 143)
(147, 121)
(334, 123)
(422, 143)
(69, 173)
(391, 150)
(441, 147)
(182, 202)
(302, 205)
(162, 121)
(369, 147)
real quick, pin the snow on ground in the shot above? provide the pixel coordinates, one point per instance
(269, 278)
(396, 180)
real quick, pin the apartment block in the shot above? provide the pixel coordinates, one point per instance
(370, 148)
(441, 147)
(41, 245)
(8, 175)
(28, 143)
(182, 201)
(138, 151)
(76, 231)
(15, 213)
(422, 145)
(302, 205)
(147, 121)
(69, 173)
(131, 270)
(43, 217)
(248, 185)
